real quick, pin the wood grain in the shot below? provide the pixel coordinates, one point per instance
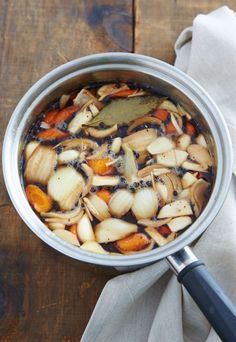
(159, 22)
(45, 296)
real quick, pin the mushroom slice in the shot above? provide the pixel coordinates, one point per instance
(63, 100)
(93, 246)
(172, 158)
(145, 203)
(97, 207)
(56, 225)
(175, 209)
(113, 229)
(120, 202)
(40, 165)
(83, 97)
(201, 155)
(154, 224)
(179, 223)
(66, 157)
(176, 182)
(168, 105)
(85, 229)
(188, 165)
(101, 133)
(185, 194)
(133, 243)
(66, 221)
(100, 152)
(89, 173)
(65, 186)
(140, 140)
(63, 215)
(105, 180)
(80, 119)
(160, 145)
(155, 168)
(158, 238)
(183, 112)
(81, 144)
(143, 120)
(29, 148)
(198, 195)
(183, 142)
(116, 145)
(130, 168)
(188, 179)
(175, 123)
(200, 140)
(67, 236)
(165, 188)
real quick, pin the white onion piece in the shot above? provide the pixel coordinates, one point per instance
(145, 203)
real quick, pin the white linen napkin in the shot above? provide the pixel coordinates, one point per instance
(149, 304)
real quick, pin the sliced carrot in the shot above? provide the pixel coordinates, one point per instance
(161, 114)
(73, 228)
(104, 194)
(164, 230)
(170, 128)
(38, 199)
(64, 114)
(50, 116)
(51, 134)
(190, 129)
(133, 242)
(99, 166)
(124, 93)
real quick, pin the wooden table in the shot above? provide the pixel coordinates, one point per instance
(45, 296)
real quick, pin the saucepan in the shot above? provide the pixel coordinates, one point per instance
(170, 81)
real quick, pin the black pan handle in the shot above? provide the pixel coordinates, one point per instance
(208, 295)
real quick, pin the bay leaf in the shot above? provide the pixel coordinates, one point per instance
(122, 111)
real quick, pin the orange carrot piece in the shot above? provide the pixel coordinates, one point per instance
(99, 166)
(190, 129)
(124, 93)
(161, 114)
(64, 114)
(51, 134)
(73, 228)
(50, 116)
(104, 194)
(170, 128)
(133, 242)
(38, 199)
(164, 230)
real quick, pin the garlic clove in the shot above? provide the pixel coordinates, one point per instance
(183, 142)
(121, 202)
(160, 145)
(67, 156)
(200, 140)
(113, 229)
(179, 223)
(56, 225)
(85, 229)
(105, 180)
(67, 236)
(175, 209)
(116, 145)
(145, 203)
(97, 207)
(93, 246)
(188, 179)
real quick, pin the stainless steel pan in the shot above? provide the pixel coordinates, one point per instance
(170, 81)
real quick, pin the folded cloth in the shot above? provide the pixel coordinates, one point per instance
(150, 304)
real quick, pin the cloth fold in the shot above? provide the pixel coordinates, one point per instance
(149, 304)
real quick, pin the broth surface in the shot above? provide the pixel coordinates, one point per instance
(115, 168)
